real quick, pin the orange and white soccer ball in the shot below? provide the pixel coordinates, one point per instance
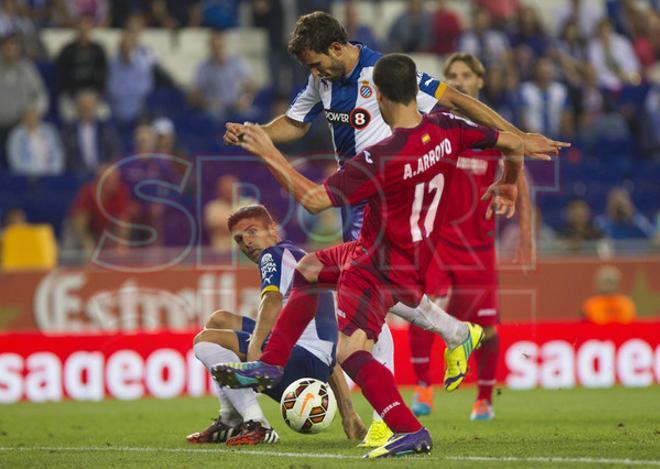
(308, 405)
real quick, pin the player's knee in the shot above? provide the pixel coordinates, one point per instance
(199, 337)
(219, 319)
(440, 301)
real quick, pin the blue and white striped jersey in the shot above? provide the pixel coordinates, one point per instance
(277, 265)
(351, 108)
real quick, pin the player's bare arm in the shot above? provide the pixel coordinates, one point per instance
(309, 194)
(269, 308)
(350, 420)
(536, 145)
(504, 192)
(282, 129)
(525, 250)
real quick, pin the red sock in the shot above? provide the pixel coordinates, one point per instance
(487, 356)
(299, 310)
(379, 388)
(421, 344)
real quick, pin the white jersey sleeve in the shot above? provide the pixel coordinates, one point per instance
(307, 104)
(430, 91)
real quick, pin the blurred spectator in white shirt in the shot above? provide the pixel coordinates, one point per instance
(20, 86)
(131, 78)
(584, 12)
(613, 58)
(223, 83)
(545, 103)
(34, 147)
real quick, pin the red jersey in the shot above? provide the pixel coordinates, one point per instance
(114, 202)
(403, 178)
(465, 223)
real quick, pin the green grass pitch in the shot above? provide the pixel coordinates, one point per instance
(563, 428)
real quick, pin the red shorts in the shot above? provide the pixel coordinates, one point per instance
(364, 296)
(470, 277)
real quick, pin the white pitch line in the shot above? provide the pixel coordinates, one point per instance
(536, 459)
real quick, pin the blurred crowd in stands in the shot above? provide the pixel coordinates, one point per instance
(587, 75)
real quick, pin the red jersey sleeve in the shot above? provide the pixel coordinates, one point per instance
(471, 135)
(356, 181)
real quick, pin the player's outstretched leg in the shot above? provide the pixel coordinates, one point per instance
(256, 375)
(461, 338)
(456, 359)
(379, 388)
(383, 351)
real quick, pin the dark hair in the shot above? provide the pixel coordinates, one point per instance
(470, 60)
(316, 31)
(395, 75)
(250, 211)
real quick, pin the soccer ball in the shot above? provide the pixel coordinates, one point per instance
(308, 405)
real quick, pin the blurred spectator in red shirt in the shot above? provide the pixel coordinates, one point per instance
(98, 206)
(501, 11)
(447, 29)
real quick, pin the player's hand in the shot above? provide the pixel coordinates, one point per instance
(524, 255)
(502, 199)
(256, 140)
(233, 134)
(540, 147)
(353, 426)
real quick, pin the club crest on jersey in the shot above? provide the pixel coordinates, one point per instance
(365, 90)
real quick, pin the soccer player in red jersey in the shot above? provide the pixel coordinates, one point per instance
(465, 283)
(402, 179)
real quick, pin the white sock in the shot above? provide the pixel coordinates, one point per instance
(383, 352)
(243, 400)
(228, 413)
(431, 317)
